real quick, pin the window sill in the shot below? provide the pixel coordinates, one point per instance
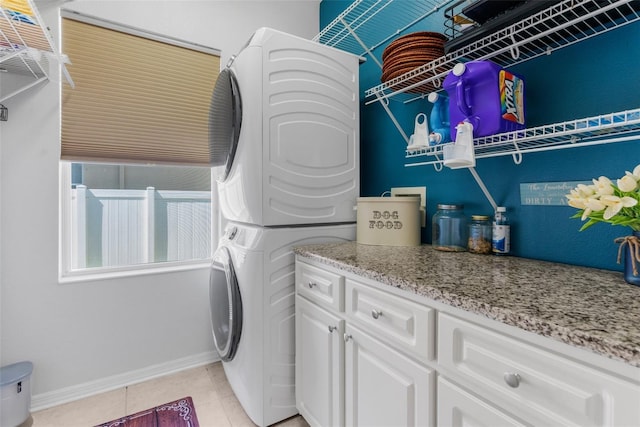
(131, 271)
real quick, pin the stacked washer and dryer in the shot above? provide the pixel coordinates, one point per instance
(284, 129)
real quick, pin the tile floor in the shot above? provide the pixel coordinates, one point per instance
(215, 403)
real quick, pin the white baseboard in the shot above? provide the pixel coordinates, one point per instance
(80, 391)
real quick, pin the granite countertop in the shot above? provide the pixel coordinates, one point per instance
(584, 307)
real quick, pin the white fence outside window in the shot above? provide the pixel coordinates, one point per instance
(127, 227)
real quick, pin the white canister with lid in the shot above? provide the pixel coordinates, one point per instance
(392, 221)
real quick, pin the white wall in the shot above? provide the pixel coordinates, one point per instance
(86, 336)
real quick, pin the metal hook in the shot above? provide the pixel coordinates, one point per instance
(517, 156)
(437, 82)
(438, 165)
(515, 50)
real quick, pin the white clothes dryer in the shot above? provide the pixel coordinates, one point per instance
(284, 123)
(252, 297)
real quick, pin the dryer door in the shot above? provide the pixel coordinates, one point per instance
(225, 119)
(226, 305)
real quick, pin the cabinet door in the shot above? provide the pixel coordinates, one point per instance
(319, 365)
(459, 408)
(383, 387)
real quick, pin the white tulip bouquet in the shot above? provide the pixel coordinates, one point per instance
(616, 204)
(604, 201)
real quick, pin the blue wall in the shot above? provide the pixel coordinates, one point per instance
(597, 76)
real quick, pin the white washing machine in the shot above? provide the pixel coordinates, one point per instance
(284, 122)
(252, 296)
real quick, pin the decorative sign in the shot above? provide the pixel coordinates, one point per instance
(547, 193)
(385, 219)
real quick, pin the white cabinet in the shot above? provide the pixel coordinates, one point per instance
(366, 356)
(319, 364)
(459, 408)
(383, 386)
(320, 286)
(550, 388)
(403, 323)
(348, 377)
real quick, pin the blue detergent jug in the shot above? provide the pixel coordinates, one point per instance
(439, 119)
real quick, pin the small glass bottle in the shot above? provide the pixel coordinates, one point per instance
(501, 240)
(479, 235)
(449, 228)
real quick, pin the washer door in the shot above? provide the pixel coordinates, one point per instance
(225, 120)
(226, 305)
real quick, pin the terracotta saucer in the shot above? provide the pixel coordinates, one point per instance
(426, 38)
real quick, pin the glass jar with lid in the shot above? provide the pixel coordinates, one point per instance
(449, 228)
(480, 234)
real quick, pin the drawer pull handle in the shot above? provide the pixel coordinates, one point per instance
(332, 328)
(311, 285)
(376, 313)
(347, 337)
(512, 380)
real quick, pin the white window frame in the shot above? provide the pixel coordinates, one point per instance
(69, 275)
(65, 240)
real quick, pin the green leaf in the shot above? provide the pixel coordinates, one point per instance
(589, 223)
(577, 215)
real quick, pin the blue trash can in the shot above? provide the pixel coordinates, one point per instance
(15, 391)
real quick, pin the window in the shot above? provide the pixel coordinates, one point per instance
(135, 175)
(123, 215)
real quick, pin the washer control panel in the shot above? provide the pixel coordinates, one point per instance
(230, 232)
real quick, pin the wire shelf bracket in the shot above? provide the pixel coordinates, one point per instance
(25, 48)
(357, 28)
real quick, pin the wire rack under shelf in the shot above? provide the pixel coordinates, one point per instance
(558, 26)
(367, 24)
(24, 41)
(597, 130)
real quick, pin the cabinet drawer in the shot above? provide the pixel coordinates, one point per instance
(559, 390)
(459, 408)
(323, 287)
(399, 321)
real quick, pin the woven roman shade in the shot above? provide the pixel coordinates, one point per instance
(136, 100)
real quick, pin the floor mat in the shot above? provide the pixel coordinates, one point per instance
(179, 413)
